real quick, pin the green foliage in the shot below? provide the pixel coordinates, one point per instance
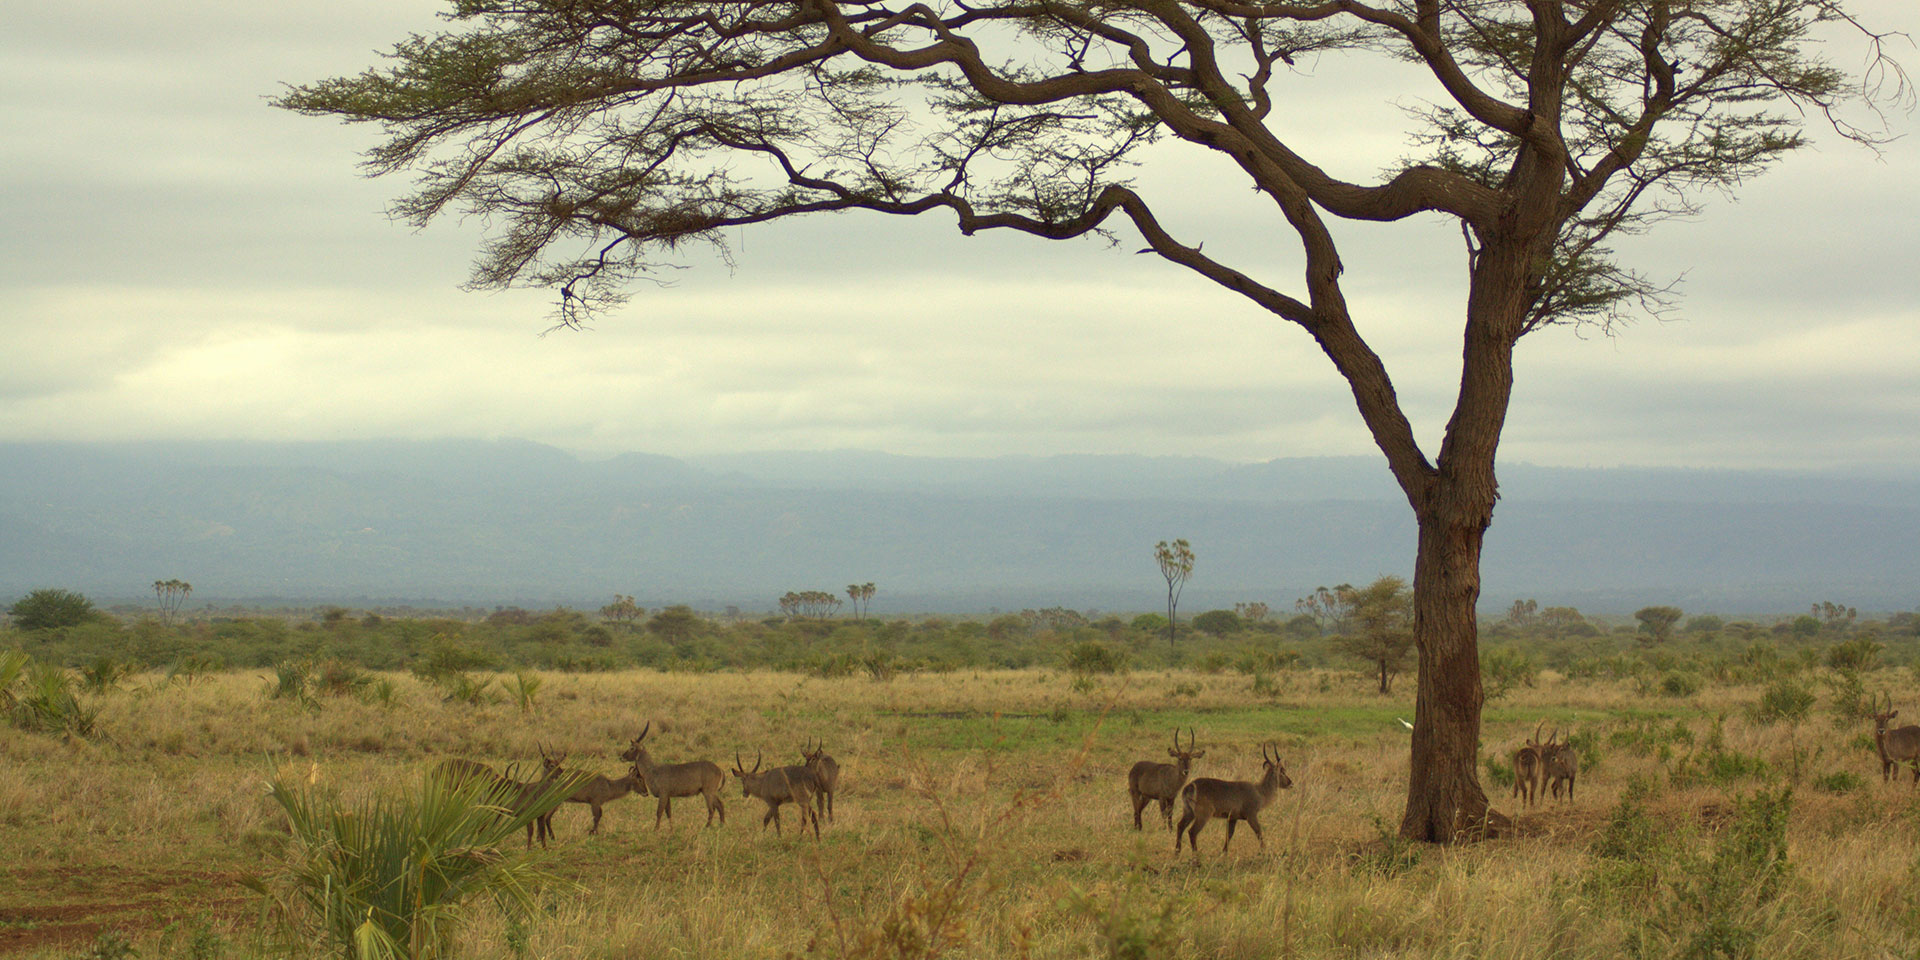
(51, 609)
(194, 667)
(1630, 854)
(1679, 684)
(1220, 623)
(1149, 623)
(525, 690)
(103, 674)
(291, 682)
(1499, 771)
(1656, 623)
(1785, 700)
(338, 678)
(40, 698)
(1721, 900)
(1840, 781)
(1093, 656)
(1503, 668)
(466, 688)
(109, 945)
(447, 658)
(1125, 930)
(396, 877)
(1390, 855)
(1861, 653)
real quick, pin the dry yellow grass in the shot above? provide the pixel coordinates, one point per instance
(996, 796)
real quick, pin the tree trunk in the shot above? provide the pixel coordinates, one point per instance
(1443, 788)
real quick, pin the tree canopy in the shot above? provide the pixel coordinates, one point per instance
(597, 136)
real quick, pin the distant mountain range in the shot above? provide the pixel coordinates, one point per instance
(514, 522)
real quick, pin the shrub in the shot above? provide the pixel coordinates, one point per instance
(1503, 668)
(397, 877)
(1784, 700)
(1841, 781)
(45, 702)
(289, 683)
(1094, 656)
(1860, 653)
(1220, 623)
(51, 609)
(338, 678)
(1679, 684)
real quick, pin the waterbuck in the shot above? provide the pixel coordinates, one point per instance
(1527, 773)
(1237, 800)
(1149, 780)
(1558, 765)
(597, 791)
(668, 780)
(521, 796)
(1897, 746)
(826, 777)
(778, 786)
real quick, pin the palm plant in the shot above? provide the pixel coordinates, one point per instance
(396, 877)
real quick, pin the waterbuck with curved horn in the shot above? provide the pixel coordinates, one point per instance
(668, 780)
(1897, 745)
(1527, 772)
(1151, 780)
(1558, 764)
(826, 777)
(1206, 798)
(778, 786)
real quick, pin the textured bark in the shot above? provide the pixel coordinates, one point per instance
(1443, 786)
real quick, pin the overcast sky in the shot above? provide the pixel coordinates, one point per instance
(180, 260)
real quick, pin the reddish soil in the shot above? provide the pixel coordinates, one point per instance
(86, 902)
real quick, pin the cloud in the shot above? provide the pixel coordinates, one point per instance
(184, 261)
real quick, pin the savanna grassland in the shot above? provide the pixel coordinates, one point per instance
(983, 813)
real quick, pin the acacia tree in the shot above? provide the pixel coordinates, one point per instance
(1176, 565)
(1380, 613)
(593, 135)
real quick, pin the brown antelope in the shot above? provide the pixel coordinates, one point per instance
(826, 778)
(778, 786)
(1149, 780)
(597, 791)
(1527, 773)
(1558, 764)
(1237, 800)
(520, 796)
(1897, 745)
(668, 780)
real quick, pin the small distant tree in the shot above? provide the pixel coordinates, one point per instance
(1252, 612)
(1220, 623)
(1381, 614)
(1833, 616)
(1521, 614)
(51, 608)
(623, 611)
(675, 624)
(1656, 623)
(1559, 621)
(171, 594)
(1325, 607)
(1176, 564)
(862, 596)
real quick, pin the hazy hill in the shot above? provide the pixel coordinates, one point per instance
(518, 522)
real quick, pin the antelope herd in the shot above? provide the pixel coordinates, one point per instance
(1541, 768)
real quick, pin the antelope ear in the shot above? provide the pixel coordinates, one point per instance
(1198, 754)
(1171, 752)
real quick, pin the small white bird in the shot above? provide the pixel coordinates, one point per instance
(1404, 723)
